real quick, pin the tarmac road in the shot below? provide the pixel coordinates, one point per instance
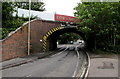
(62, 64)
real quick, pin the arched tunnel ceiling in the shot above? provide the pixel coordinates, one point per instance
(55, 35)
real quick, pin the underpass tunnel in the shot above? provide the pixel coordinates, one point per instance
(55, 37)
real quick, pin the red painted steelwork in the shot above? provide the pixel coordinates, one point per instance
(65, 18)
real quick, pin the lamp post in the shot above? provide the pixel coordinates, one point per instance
(29, 29)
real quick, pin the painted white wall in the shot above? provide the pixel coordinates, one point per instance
(42, 15)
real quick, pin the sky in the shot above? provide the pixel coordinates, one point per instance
(64, 7)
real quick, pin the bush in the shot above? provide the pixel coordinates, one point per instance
(13, 25)
(5, 32)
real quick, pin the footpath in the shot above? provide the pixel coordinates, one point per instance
(103, 67)
(26, 59)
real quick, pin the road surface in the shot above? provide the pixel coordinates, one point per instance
(62, 64)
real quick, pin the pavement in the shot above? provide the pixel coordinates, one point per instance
(23, 60)
(103, 67)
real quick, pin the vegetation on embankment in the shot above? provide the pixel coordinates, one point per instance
(10, 22)
(101, 25)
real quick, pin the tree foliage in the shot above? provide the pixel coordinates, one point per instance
(67, 37)
(10, 22)
(38, 6)
(100, 23)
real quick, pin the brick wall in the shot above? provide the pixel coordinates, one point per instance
(16, 44)
(38, 29)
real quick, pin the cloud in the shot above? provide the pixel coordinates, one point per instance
(64, 7)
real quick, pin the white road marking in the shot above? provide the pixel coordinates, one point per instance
(77, 63)
(29, 75)
(88, 65)
(60, 52)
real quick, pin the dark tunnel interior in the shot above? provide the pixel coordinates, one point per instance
(52, 39)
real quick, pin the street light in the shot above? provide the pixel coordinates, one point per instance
(29, 29)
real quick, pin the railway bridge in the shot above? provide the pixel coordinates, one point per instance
(43, 37)
(44, 34)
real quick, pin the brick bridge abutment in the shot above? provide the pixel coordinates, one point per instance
(41, 39)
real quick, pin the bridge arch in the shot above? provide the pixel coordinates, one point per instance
(44, 32)
(49, 33)
(50, 38)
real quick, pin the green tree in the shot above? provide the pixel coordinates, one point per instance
(7, 11)
(67, 37)
(10, 22)
(100, 23)
(38, 6)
